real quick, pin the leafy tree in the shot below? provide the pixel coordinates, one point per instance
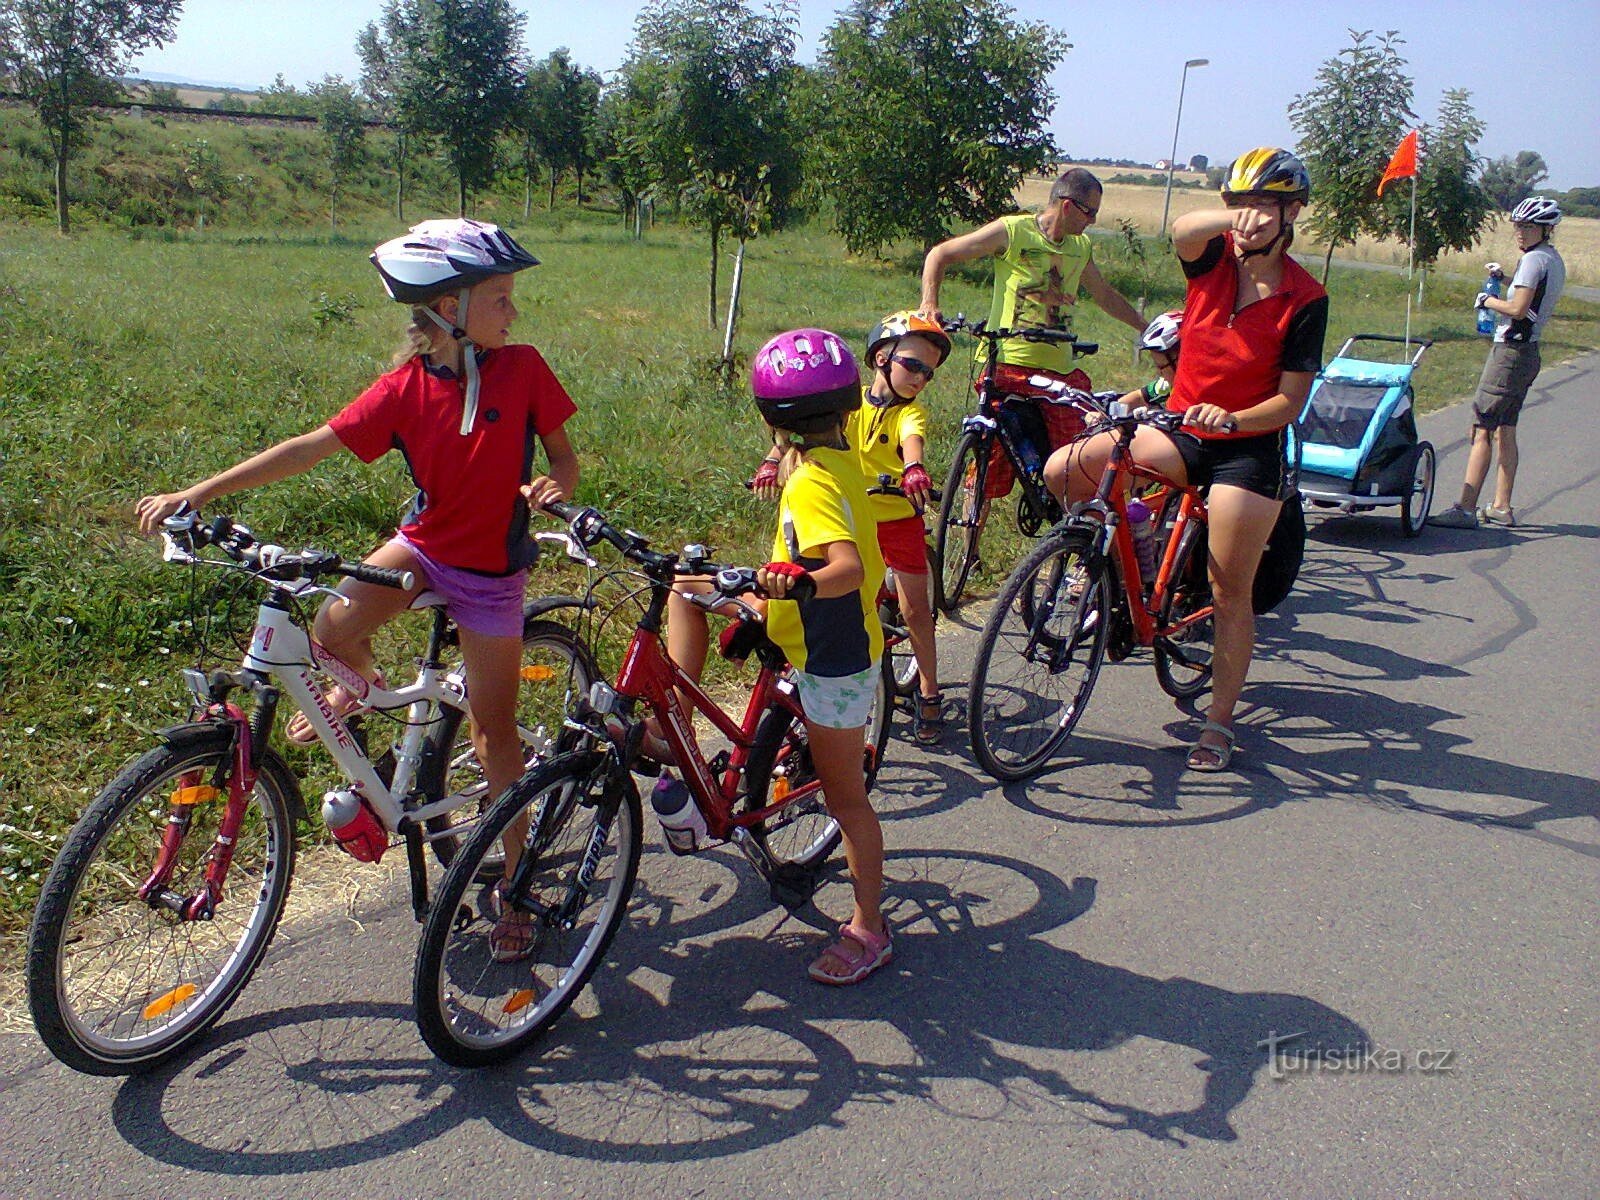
(1199, 163)
(203, 175)
(163, 94)
(343, 124)
(560, 100)
(617, 155)
(228, 102)
(1349, 125)
(710, 84)
(380, 84)
(1509, 181)
(1452, 206)
(454, 76)
(63, 55)
(928, 113)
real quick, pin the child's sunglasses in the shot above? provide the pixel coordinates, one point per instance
(915, 365)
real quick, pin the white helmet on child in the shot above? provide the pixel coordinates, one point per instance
(1163, 333)
(1536, 210)
(443, 256)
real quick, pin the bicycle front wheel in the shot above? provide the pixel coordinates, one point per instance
(118, 983)
(578, 834)
(1039, 656)
(962, 511)
(1184, 658)
(557, 669)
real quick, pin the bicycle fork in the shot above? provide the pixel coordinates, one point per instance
(240, 781)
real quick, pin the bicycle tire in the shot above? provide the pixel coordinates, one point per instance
(960, 524)
(1183, 666)
(1039, 655)
(461, 994)
(781, 750)
(557, 668)
(132, 1016)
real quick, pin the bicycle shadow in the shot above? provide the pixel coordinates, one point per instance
(708, 1046)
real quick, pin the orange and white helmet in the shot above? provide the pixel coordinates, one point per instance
(905, 323)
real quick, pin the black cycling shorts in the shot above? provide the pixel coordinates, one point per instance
(1258, 464)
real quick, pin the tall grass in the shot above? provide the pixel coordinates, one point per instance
(141, 364)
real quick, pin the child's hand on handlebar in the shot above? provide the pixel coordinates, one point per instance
(778, 579)
(916, 485)
(152, 510)
(765, 483)
(543, 490)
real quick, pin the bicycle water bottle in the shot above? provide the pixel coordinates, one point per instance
(354, 826)
(1144, 539)
(1491, 287)
(680, 817)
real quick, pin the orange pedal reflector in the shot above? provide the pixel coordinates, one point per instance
(201, 794)
(780, 789)
(518, 1001)
(538, 673)
(162, 1005)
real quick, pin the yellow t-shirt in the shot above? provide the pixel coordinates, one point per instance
(876, 436)
(826, 501)
(1030, 266)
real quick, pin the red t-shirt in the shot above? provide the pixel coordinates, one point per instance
(468, 512)
(1236, 360)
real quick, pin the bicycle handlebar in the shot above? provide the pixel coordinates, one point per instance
(1057, 337)
(184, 533)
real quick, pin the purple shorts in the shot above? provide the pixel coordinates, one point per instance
(486, 604)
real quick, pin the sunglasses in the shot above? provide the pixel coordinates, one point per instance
(915, 365)
(1091, 213)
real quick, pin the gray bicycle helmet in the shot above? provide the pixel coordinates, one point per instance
(1536, 210)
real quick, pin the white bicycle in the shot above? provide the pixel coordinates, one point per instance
(170, 887)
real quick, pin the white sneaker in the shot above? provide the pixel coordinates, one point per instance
(1455, 517)
(1490, 515)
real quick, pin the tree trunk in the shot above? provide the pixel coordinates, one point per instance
(400, 178)
(333, 208)
(527, 192)
(733, 311)
(711, 311)
(61, 186)
(461, 195)
(551, 202)
(1327, 263)
(580, 187)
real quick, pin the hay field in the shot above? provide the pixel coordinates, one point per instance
(1578, 238)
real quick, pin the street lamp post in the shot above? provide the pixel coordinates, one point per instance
(1166, 204)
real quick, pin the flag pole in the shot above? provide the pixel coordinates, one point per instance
(1411, 260)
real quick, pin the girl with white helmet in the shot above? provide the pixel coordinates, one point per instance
(466, 408)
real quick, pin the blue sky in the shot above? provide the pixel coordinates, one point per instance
(1532, 75)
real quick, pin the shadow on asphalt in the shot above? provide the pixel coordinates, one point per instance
(696, 1042)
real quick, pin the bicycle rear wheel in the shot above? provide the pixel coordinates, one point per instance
(581, 853)
(1039, 656)
(962, 512)
(118, 984)
(557, 669)
(1183, 660)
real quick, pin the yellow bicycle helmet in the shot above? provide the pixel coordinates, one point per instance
(1268, 172)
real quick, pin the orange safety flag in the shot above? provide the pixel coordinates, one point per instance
(1404, 163)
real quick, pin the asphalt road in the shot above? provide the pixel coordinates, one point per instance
(1401, 872)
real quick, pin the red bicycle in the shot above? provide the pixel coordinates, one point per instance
(575, 864)
(1079, 597)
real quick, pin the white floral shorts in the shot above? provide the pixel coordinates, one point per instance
(838, 701)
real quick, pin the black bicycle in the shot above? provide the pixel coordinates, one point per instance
(1008, 416)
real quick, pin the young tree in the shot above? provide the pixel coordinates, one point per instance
(281, 96)
(1349, 125)
(1452, 207)
(616, 153)
(163, 94)
(62, 55)
(559, 105)
(343, 125)
(1510, 181)
(454, 77)
(380, 69)
(926, 113)
(710, 82)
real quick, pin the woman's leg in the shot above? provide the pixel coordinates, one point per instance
(1479, 456)
(1240, 523)
(1077, 468)
(1505, 445)
(837, 756)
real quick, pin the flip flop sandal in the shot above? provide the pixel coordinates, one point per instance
(929, 730)
(513, 938)
(872, 950)
(1223, 754)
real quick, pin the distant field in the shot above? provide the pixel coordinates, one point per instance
(1578, 238)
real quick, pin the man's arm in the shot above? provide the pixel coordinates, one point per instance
(981, 242)
(1109, 299)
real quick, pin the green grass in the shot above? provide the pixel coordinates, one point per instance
(137, 364)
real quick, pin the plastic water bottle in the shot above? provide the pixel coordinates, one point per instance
(354, 826)
(1491, 286)
(1144, 539)
(680, 817)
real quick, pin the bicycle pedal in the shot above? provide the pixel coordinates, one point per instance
(792, 886)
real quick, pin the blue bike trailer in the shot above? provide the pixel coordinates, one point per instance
(1356, 442)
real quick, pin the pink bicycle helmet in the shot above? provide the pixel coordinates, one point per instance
(804, 378)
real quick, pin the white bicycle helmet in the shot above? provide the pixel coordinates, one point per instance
(449, 255)
(1536, 210)
(1163, 333)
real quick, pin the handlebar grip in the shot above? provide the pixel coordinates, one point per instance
(563, 510)
(804, 588)
(389, 577)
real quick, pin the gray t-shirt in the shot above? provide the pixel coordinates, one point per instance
(1542, 271)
